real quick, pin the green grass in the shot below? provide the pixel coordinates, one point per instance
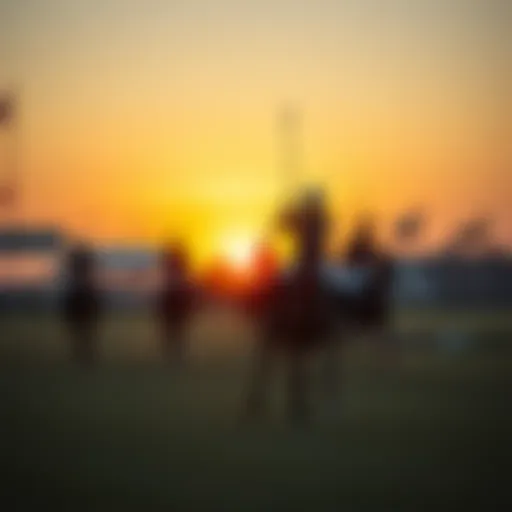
(432, 433)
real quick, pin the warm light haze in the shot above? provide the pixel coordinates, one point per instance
(141, 120)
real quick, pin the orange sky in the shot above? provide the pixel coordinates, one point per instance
(145, 119)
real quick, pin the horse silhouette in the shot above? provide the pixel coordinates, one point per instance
(81, 307)
(175, 302)
(314, 306)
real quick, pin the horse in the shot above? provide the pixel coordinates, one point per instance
(292, 312)
(81, 305)
(175, 302)
(315, 306)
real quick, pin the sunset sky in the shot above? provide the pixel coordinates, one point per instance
(144, 119)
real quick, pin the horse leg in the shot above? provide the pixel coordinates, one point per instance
(255, 402)
(178, 345)
(173, 344)
(298, 410)
(389, 347)
(83, 344)
(167, 341)
(332, 370)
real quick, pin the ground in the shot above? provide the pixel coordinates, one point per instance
(431, 433)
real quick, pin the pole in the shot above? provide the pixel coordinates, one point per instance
(16, 145)
(290, 137)
(11, 168)
(289, 165)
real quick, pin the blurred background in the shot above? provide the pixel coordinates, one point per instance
(125, 125)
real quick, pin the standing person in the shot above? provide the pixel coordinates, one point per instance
(81, 306)
(175, 301)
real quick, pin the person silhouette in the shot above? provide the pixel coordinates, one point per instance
(175, 301)
(81, 308)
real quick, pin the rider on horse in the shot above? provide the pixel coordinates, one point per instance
(175, 300)
(81, 306)
(295, 314)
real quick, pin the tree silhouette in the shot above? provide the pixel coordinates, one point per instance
(408, 228)
(472, 238)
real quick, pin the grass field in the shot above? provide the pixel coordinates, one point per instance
(433, 433)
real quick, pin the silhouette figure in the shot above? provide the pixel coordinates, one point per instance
(82, 304)
(175, 302)
(293, 313)
(307, 309)
(370, 311)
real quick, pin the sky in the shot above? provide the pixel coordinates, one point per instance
(149, 119)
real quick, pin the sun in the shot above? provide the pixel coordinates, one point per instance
(239, 251)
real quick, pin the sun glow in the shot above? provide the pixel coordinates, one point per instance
(239, 251)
